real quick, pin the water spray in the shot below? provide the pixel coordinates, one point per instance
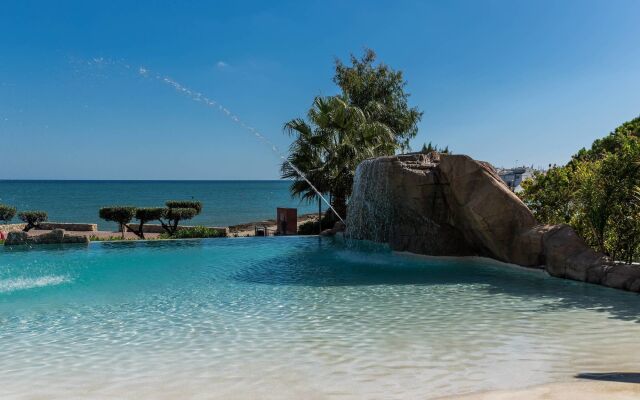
(199, 97)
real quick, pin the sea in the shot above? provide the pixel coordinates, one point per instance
(224, 202)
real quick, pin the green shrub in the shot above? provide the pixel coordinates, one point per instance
(7, 213)
(120, 214)
(150, 213)
(32, 219)
(195, 232)
(196, 205)
(311, 227)
(94, 238)
(595, 193)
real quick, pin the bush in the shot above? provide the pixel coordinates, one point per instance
(120, 214)
(311, 227)
(150, 213)
(196, 205)
(32, 219)
(7, 213)
(596, 194)
(195, 232)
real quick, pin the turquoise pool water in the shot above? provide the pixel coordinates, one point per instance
(294, 318)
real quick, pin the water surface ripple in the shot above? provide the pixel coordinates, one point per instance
(294, 318)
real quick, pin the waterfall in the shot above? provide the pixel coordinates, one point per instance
(371, 210)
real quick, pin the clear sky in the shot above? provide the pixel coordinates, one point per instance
(503, 81)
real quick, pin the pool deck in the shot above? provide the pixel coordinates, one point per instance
(240, 230)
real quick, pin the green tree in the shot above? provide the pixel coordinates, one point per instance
(596, 192)
(147, 214)
(177, 211)
(369, 118)
(328, 148)
(428, 148)
(119, 214)
(380, 91)
(7, 213)
(32, 219)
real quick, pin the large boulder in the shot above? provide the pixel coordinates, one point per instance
(452, 205)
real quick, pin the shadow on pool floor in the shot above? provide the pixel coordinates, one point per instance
(624, 377)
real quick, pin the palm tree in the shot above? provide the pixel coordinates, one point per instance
(328, 148)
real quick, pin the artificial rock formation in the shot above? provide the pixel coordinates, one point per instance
(56, 236)
(452, 205)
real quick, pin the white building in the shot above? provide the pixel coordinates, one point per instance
(513, 177)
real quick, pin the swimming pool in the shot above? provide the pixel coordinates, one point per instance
(298, 317)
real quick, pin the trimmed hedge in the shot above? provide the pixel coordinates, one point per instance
(7, 213)
(147, 214)
(196, 205)
(195, 232)
(120, 214)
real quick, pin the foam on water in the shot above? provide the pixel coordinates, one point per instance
(296, 318)
(10, 285)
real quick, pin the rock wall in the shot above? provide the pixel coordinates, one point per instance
(56, 236)
(68, 226)
(6, 228)
(452, 205)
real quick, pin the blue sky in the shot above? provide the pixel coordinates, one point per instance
(503, 81)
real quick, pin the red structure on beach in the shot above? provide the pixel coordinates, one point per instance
(287, 221)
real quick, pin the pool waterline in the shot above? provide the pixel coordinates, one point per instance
(295, 317)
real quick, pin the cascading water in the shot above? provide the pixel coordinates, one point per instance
(371, 206)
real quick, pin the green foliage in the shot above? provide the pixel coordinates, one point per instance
(94, 238)
(379, 91)
(196, 205)
(120, 214)
(596, 193)
(146, 214)
(547, 195)
(169, 217)
(173, 216)
(428, 148)
(311, 227)
(32, 218)
(369, 118)
(195, 232)
(7, 213)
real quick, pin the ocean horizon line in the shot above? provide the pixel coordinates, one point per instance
(142, 180)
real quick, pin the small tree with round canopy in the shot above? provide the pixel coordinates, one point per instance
(6, 213)
(179, 210)
(120, 214)
(32, 219)
(146, 214)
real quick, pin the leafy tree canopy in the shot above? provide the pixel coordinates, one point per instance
(369, 118)
(32, 219)
(7, 213)
(596, 193)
